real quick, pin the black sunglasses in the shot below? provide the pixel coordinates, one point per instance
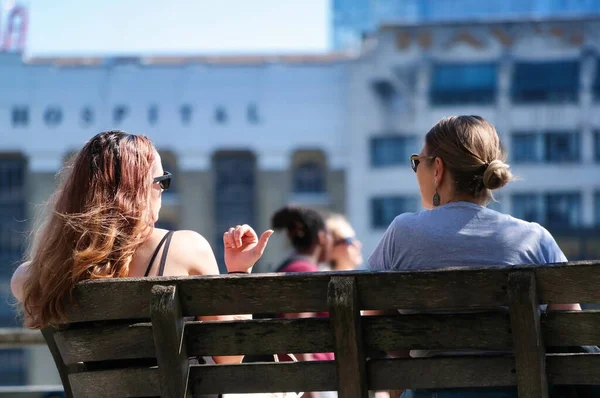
(349, 241)
(415, 160)
(164, 180)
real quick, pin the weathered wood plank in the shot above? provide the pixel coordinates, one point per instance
(528, 347)
(171, 354)
(63, 372)
(573, 369)
(132, 382)
(432, 289)
(571, 328)
(443, 372)
(210, 295)
(258, 337)
(344, 311)
(575, 282)
(97, 342)
(264, 377)
(487, 330)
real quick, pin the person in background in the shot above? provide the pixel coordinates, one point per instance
(311, 244)
(346, 256)
(346, 252)
(459, 166)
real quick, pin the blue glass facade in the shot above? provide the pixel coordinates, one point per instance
(545, 82)
(309, 177)
(457, 84)
(12, 229)
(351, 18)
(547, 147)
(557, 210)
(384, 209)
(392, 150)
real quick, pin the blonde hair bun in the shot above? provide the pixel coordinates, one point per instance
(497, 175)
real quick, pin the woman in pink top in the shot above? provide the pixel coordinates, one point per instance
(312, 244)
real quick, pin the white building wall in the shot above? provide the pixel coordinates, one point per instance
(299, 106)
(417, 48)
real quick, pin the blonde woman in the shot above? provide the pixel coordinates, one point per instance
(346, 251)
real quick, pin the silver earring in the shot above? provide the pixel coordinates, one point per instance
(436, 195)
(436, 199)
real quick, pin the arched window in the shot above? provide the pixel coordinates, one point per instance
(12, 233)
(235, 191)
(309, 177)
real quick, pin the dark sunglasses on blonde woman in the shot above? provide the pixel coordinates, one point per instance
(415, 160)
(164, 180)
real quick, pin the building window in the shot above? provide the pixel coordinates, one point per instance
(12, 216)
(185, 111)
(153, 115)
(53, 116)
(526, 148)
(12, 232)
(220, 115)
(392, 150)
(561, 147)
(309, 177)
(387, 93)
(385, 209)
(563, 210)
(527, 207)
(549, 147)
(252, 114)
(553, 210)
(545, 82)
(453, 84)
(120, 113)
(87, 116)
(235, 191)
(20, 116)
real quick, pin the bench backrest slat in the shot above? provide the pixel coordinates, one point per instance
(261, 377)
(220, 295)
(168, 326)
(527, 335)
(344, 312)
(129, 382)
(49, 334)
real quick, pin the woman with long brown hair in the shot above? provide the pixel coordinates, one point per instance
(100, 224)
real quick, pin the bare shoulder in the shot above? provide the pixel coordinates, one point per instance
(18, 280)
(193, 250)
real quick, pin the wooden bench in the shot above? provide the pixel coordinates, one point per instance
(117, 322)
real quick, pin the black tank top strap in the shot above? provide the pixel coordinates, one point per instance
(163, 258)
(162, 241)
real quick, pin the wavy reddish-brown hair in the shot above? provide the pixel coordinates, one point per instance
(95, 220)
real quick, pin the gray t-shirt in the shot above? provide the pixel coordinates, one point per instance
(461, 234)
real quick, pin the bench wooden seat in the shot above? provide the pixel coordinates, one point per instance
(128, 337)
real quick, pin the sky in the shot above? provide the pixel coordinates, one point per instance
(132, 27)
